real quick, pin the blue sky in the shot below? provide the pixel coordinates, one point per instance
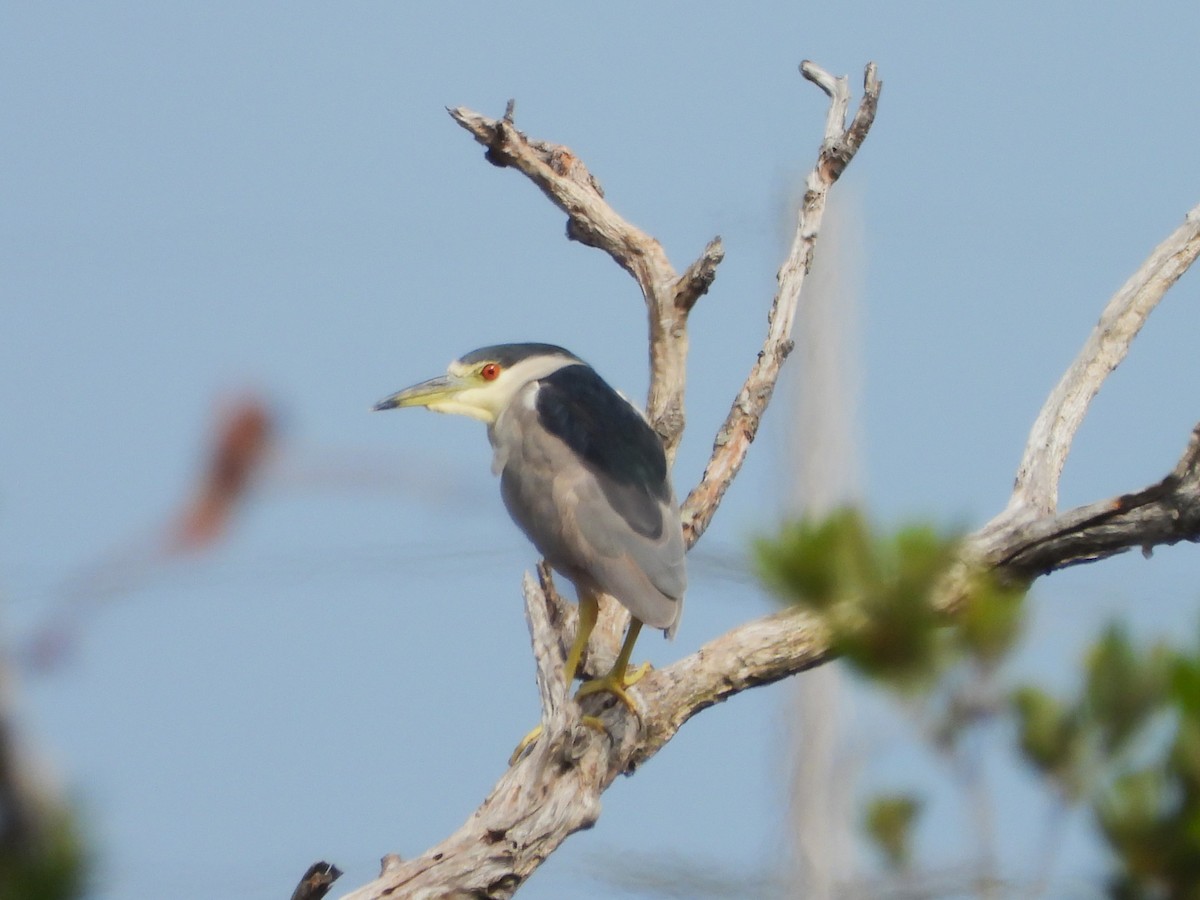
(197, 199)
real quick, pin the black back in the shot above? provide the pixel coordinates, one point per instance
(577, 406)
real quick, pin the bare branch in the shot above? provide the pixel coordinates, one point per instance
(544, 612)
(695, 282)
(1024, 547)
(1164, 513)
(554, 789)
(1036, 489)
(741, 425)
(774, 647)
(563, 177)
(317, 881)
(759, 652)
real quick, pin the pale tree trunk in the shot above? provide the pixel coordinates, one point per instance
(822, 473)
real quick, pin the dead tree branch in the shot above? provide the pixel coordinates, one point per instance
(669, 296)
(1164, 513)
(741, 425)
(554, 788)
(317, 881)
(1036, 490)
(1029, 538)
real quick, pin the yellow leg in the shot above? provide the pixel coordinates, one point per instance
(589, 610)
(617, 679)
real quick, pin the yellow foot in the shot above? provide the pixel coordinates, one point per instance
(615, 684)
(526, 742)
(524, 745)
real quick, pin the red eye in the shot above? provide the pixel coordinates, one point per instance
(490, 372)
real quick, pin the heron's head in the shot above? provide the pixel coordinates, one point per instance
(482, 383)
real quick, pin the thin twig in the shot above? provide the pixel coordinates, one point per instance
(695, 282)
(741, 425)
(591, 220)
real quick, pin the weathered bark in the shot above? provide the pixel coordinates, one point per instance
(554, 788)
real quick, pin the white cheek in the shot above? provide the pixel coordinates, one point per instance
(455, 407)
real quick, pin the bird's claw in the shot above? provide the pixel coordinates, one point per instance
(591, 722)
(524, 745)
(612, 683)
(615, 684)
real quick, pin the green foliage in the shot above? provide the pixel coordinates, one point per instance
(1127, 746)
(872, 591)
(1124, 687)
(990, 620)
(1130, 745)
(1051, 737)
(889, 823)
(54, 868)
(818, 563)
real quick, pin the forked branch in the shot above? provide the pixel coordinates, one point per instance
(1036, 489)
(669, 296)
(553, 789)
(1164, 513)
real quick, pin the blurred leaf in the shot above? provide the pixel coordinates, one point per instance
(1132, 816)
(872, 591)
(1184, 695)
(1050, 737)
(1150, 815)
(816, 563)
(894, 639)
(918, 555)
(990, 620)
(54, 869)
(1184, 762)
(889, 823)
(1124, 687)
(1185, 684)
(1155, 833)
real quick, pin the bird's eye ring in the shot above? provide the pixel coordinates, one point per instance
(490, 372)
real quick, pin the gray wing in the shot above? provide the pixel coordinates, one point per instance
(646, 573)
(604, 533)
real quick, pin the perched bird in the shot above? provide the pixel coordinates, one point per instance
(583, 475)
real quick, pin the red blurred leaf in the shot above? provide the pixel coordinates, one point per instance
(244, 434)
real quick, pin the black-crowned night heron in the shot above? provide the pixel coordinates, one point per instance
(584, 476)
